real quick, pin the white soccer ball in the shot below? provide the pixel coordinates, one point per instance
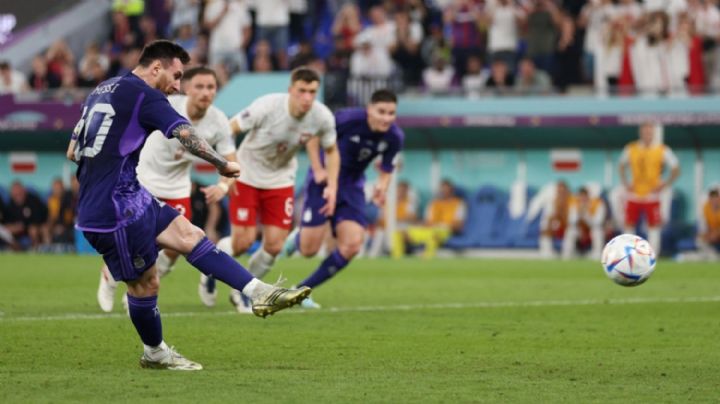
(628, 260)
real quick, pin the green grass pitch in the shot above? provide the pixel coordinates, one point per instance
(452, 331)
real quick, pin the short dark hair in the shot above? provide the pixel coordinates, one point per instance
(4, 64)
(714, 193)
(164, 51)
(583, 190)
(383, 95)
(194, 71)
(304, 73)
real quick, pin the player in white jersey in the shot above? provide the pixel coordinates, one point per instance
(164, 166)
(277, 126)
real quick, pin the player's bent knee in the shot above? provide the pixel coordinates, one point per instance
(349, 250)
(190, 237)
(273, 248)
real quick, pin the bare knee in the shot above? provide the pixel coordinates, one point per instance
(350, 249)
(190, 237)
(308, 251)
(273, 248)
(148, 285)
(241, 244)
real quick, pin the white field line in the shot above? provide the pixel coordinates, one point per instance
(402, 307)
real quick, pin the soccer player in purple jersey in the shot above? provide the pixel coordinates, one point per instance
(363, 134)
(120, 218)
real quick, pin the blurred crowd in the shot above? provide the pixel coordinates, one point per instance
(472, 47)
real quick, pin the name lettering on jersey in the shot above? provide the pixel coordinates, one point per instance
(107, 88)
(355, 138)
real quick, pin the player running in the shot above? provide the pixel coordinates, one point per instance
(164, 167)
(363, 134)
(277, 125)
(120, 218)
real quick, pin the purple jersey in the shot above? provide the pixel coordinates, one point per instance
(359, 146)
(117, 118)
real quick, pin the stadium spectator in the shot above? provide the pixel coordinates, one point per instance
(504, 18)
(369, 60)
(186, 38)
(444, 217)
(659, 62)
(464, 18)
(40, 78)
(160, 12)
(228, 22)
(553, 222)
(347, 25)
(380, 31)
(272, 18)
(608, 58)
(59, 228)
(544, 19)
(11, 81)
(304, 56)
(586, 218)
(473, 83)
(531, 81)
(436, 44)
(69, 91)
(184, 12)
(133, 11)
(120, 33)
(148, 30)
(706, 16)
(708, 238)
(567, 54)
(91, 56)
(500, 82)
(437, 79)
(646, 159)
(58, 56)
(26, 214)
(595, 18)
(687, 35)
(263, 50)
(406, 48)
(629, 12)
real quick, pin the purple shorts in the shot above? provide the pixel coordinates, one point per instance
(131, 250)
(350, 205)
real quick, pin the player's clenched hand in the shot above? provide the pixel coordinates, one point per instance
(213, 193)
(329, 194)
(232, 170)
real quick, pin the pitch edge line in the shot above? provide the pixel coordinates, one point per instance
(404, 307)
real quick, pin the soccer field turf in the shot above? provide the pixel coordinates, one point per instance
(389, 331)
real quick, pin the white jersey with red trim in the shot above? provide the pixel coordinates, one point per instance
(267, 154)
(164, 167)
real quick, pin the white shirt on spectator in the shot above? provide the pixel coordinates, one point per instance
(381, 35)
(598, 19)
(17, 84)
(503, 29)
(228, 33)
(371, 61)
(185, 12)
(272, 13)
(659, 68)
(474, 84)
(707, 21)
(438, 81)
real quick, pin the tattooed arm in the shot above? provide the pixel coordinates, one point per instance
(198, 146)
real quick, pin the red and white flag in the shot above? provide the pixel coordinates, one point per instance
(23, 162)
(566, 159)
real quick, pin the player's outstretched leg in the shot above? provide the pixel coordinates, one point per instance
(267, 299)
(106, 290)
(350, 236)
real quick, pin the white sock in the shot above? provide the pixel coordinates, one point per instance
(225, 245)
(256, 289)
(654, 239)
(156, 352)
(260, 263)
(164, 264)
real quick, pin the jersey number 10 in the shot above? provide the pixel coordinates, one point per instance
(94, 130)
